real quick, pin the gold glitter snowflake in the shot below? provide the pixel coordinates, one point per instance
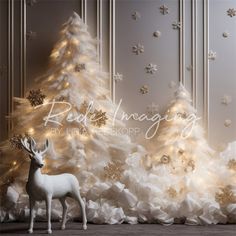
(143, 89)
(36, 97)
(15, 141)
(172, 192)
(99, 118)
(190, 166)
(79, 67)
(84, 108)
(232, 164)
(225, 196)
(113, 170)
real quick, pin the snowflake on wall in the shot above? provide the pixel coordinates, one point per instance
(143, 89)
(226, 99)
(136, 15)
(118, 77)
(227, 123)
(172, 84)
(176, 25)
(164, 10)
(151, 68)
(157, 34)
(99, 118)
(231, 12)
(212, 55)
(225, 34)
(30, 35)
(152, 109)
(138, 49)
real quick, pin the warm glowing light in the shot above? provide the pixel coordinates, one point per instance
(50, 78)
(68, 137)
(31, 131)
(63, 43)
(47, 134)
(70, 67)
(75, 41)
(78, 166)
(55, 54)
(14, 163)
(68, 53)
(67, 84)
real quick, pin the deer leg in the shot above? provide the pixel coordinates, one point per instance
(32, 212)
(65, 208)
(82, 205)
(48, 208)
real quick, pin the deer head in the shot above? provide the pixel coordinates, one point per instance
(35, 155)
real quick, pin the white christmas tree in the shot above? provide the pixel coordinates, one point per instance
(71, 107)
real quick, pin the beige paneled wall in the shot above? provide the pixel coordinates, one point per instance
(30, 28)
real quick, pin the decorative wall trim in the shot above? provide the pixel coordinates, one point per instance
(10, 60)
(194, 52)
(182, 42)
(206, 65)
(99, 31)
(84, 10)
(112, 47)
(22, 47)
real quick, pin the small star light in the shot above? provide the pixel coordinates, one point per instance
(225, 196)
(157, 34)
(36, 97)
(231, 12)
(151, 68)
(212, 55)
(165, 159)
(172, 192)
(227, 123)
(79, 67)
(99, 118)
(136, 15)
(118, 77)
(143, 89)
(232, 164)
(176, 25)
(138, 49)
(226, 100)
(113, 171)
(164, 9)
(152, 108)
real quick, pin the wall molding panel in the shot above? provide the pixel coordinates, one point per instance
(182, 41)
(84, 10)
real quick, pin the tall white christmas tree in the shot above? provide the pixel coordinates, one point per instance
(71, 107)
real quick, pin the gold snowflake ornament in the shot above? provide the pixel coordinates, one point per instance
(225, 196)
(36, 97)
(231, 12)
(79, 67)
(232, 164)
(172, 192)
(143, 89)
(113, 171)
(99, 118)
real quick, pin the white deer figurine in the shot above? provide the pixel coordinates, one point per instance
(47, 187)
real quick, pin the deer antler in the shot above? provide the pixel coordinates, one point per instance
(46, 145)
(26, 145)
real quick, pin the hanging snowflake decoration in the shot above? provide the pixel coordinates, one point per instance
(79, 67)
(138, 49)
(36, 97)
(212, 55)
(136, 15)
(227, 123)
(232, 164)
(143, 89)
(225, 34)
(157, 34)
(231, 12)
(99, 118)
(172, 84)
(172, 192)
(153, 108)
(113, 171)
(225, 196)
(226, 100)
(176, 25)
(151, 68)
(15, 141)
(118, 77)
(164, 9)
